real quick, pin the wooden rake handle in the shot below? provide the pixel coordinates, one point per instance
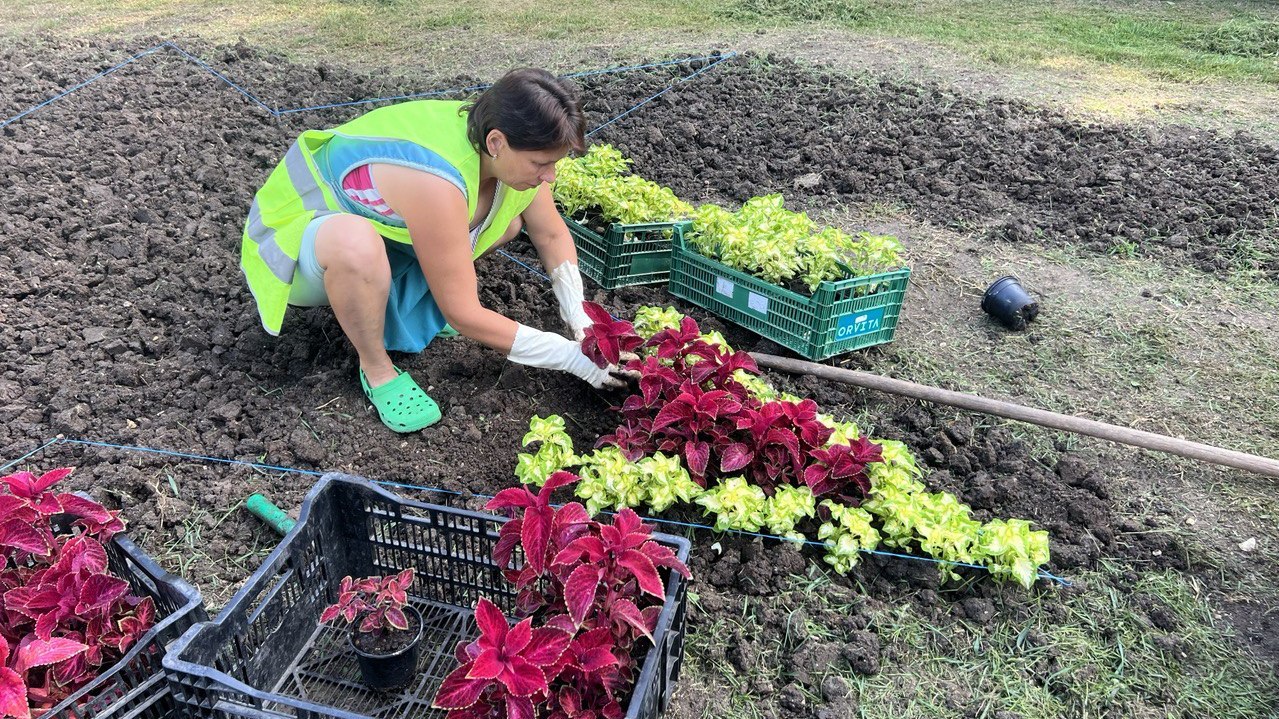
(1021, 413)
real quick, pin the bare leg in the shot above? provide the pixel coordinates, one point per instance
(357, 278)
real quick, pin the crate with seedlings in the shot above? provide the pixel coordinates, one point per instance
(621, 223)
(818, 291)
(87, 614)
(545, 611)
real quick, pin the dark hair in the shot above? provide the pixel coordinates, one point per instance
(533, 108)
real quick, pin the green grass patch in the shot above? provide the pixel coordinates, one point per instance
(1181, 42)
(1240, 37)
(1151, 648)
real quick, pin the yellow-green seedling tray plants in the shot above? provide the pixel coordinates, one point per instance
(622, 224)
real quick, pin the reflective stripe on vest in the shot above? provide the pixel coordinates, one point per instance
(295, 194)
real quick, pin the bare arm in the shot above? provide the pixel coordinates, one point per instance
(547, 231)
(435, 212)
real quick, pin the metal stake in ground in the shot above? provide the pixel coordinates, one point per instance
(1044, 418)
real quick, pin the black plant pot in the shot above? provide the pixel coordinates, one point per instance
(1006, 301)
(392, 670)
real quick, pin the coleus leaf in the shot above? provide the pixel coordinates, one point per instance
(607, 339)
(520, 708)
(735, 456)
(13, 695)
(535, 535)
(590, 546)
(86, 508)
(82, 553)
(663, 556)
(580, 590)
(397, 618)
(492, 624)
(457, 691)
(39, 652)
(645, 573)
(627, 531)
(99, 591)
(20, 535)
(29, 486)
(698, 455)
(508, 539)
(547, 645)
(625, 612)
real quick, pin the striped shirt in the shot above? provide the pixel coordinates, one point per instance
(358, 186)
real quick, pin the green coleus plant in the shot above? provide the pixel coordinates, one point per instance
(553, 454)
(736, 504)
(666, 482)
(1010, 549)
(651, 320)
(610, 481)
(938, 524)
(598, 181)
(786, 508)
(847, 535)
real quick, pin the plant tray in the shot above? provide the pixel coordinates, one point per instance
(839, 317)
(135, 688)
(266, 656)
(626, 255)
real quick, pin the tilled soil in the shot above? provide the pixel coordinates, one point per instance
(1004, 168)
(125, 319)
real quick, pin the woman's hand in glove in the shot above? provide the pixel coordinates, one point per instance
(547, 350)
(566, 284)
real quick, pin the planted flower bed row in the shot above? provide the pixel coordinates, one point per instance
(706, 430)
(816, 290)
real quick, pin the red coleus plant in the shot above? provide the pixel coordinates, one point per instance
(839, 471)
(506, 671)
(600, 589)
(695, 419)
(65, 616)
(541, 531)
(377, 602)
(589, 680)
(608, 573)
(15, 664)
(607, 339)
(691, 404)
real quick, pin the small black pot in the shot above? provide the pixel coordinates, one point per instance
(1006, 301)
(389, 671)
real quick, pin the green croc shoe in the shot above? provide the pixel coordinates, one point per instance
(401, 404)
(447, 332)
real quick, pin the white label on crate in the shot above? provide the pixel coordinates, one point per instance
(724, 287)
(757, 302)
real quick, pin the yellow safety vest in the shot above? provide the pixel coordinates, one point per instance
(297, 192)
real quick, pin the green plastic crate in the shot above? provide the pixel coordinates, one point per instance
(627, 254)
(833, 320)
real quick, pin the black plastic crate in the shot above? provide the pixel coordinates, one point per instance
(135, 688)
(266, 656)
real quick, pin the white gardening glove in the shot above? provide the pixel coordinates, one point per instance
(566, 283)
(547, 350)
